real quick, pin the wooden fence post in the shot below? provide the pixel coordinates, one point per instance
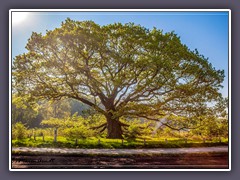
(34, 136)
(55, 135)
(32, 133)
(220, 139)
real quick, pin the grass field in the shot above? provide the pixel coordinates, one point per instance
(89, 143)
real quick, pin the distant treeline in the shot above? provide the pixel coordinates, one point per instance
(32, 114)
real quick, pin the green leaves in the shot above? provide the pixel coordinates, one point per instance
(19, 131)
(123, 68)
(72, 127)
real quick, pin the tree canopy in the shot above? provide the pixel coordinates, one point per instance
(120, 70)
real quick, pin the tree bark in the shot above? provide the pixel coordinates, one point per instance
(114, 130)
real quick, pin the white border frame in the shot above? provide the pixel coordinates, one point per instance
(120, 10)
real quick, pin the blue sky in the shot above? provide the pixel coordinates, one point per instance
(205, 31)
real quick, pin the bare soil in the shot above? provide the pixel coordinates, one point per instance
(213, 160)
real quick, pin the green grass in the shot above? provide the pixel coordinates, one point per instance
(115, 143)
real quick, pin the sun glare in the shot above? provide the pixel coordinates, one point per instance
(19, 17)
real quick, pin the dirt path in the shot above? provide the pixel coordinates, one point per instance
(123, 151)
(177, 158)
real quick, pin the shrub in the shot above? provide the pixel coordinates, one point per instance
(76, 132)
(19, 131)
(137, 128)
(132, 132)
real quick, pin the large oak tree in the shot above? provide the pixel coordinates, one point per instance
(120, 70)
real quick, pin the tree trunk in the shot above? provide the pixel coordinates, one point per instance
(114, 130)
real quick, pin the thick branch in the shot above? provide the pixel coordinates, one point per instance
(97, 127)
(88, 103)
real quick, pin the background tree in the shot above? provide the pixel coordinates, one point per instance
(81, 108)
(120, 70)
(55, 109)
(214, 120)
(25, 113)
(19, 131)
